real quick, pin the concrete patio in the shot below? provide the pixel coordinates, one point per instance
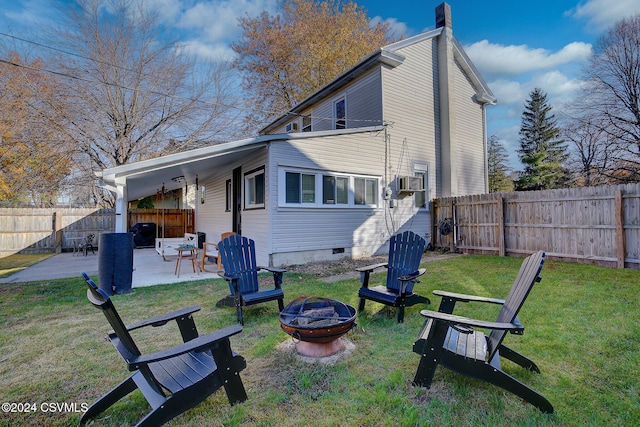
(149, 268)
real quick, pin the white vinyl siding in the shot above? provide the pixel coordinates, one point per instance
(410, 99)
(363, 104)
(470, 133)
(213, 219)
(325, 227)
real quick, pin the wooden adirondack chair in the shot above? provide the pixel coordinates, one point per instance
(405, 252)
(172, 380)
(450, 341)
(211, 254)
(238, 256)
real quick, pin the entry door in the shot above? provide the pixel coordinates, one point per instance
(236, 183)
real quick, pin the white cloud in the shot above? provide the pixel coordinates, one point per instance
(559, 88)
(602, 14)
(500, 60)
(396, 28)
(28, 12)
(508, 91)
(210, 51)
(218, 20)
(557, 85)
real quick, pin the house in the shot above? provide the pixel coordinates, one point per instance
(353, 164)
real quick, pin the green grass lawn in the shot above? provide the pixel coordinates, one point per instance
(582, 329)
(16, 262)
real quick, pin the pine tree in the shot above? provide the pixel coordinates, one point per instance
(541, 152)
(497, 156)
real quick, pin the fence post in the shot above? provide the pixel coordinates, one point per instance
(619, 214)
(57, 230)
(454, 226)
(502, 250)
(434, 223)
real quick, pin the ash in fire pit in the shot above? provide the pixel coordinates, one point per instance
(317, 324)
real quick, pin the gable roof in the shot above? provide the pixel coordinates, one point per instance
(388, 55)
(380, 56)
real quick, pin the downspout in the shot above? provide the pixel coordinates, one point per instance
(121, 205)
(486, 150)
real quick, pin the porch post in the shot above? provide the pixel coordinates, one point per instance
(121, 205)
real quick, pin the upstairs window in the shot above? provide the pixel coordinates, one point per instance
(306, 123)
(340, 113)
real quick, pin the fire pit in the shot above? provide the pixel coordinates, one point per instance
(317, 324)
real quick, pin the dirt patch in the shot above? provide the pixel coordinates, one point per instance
(334, 268)
(349, 266)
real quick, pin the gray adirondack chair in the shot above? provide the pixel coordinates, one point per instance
(173, 380)
(452, 342)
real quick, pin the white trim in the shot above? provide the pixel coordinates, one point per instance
(340, 98)
(423, 167)
(247, 195)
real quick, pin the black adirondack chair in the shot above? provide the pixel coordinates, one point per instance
(405, 252)
(238, 256)
(450, 341)
(172, 380)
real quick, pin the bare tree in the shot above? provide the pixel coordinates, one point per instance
(35, 157)
(614, 86)
(131, 90)
(592, 150)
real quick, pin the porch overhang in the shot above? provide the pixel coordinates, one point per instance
(147, 177)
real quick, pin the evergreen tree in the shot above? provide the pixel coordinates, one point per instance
(499, 180)
(542, 152)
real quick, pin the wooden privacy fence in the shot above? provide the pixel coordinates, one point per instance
(598, 225)
(176, 221)
(28, 230)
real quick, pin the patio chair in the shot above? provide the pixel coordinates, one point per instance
(241, 273)
(405, 252)
(211, 254)
(450, 341)
(173, 380)
(86, 244)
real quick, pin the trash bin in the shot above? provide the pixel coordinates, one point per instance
(115, 262)
(202, 237)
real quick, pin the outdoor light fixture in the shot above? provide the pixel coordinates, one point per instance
(202, 194)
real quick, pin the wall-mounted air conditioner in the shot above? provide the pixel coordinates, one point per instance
(291, 127)
(410, 184)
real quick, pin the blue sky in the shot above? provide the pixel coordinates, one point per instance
(516, 45)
